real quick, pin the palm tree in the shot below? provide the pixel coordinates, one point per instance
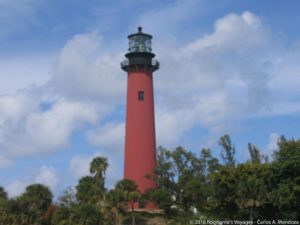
(115, 203)
(38, 197)
(34, 203)
(98, 168)
(89, 190)
(86, 214)
(131, 194)
(251, 189)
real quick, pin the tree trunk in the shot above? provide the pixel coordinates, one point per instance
(116, 218)
(132, 214)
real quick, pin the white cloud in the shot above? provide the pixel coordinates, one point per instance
(84, 72)
(233, 32)
(216, 79)
(34, 131)
(109, 136)
(84, 87)
(16, 188)
(15, 108)
(47, 176)
(79, 165)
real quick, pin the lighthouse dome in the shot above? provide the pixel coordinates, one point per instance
(140, 42)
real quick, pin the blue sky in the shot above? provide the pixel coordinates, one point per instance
(226, 67)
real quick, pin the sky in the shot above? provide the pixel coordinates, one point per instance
(226, 67)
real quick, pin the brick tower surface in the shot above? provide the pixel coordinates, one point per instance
(140, 146)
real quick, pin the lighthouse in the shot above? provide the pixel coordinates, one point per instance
(140, 143)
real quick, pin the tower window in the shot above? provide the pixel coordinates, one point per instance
(141, 95)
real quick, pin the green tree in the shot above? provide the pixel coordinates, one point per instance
(115, 202)
(61, 216)
(28, 209)
(86, 214)
(251, 188)
(162, 198)
(131, 194)
(284, 179)
(98, 168)
(256, 156)
(165, 171)
(80, 214)
(38, 197)
(222, 202)
(185, 177)
(254, 153)
(228, 153)
(89, 190)
(34, 203)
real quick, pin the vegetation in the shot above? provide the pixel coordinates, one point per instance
(190, 186)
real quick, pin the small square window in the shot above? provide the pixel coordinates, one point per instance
(141, 96)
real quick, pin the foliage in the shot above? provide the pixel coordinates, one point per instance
(224, 184)
(229, 149)
(284, 179)
(85, 214)
(190, 186)
(81, 214)
(130, 194)
(61, 216)
(89, 190)
(98, 167)
(251, 188)
(28, 209)
(37, 198)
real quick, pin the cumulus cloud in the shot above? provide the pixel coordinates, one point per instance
(84, 87)
(83, 72)
(47, 176)
(79, 165)
(30, 130)
(110, 136)
(218, 78)
(16, 188)
(233, 32)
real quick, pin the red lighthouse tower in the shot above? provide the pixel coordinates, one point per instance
(140, 146)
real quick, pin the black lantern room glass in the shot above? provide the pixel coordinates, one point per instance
(140, 42)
